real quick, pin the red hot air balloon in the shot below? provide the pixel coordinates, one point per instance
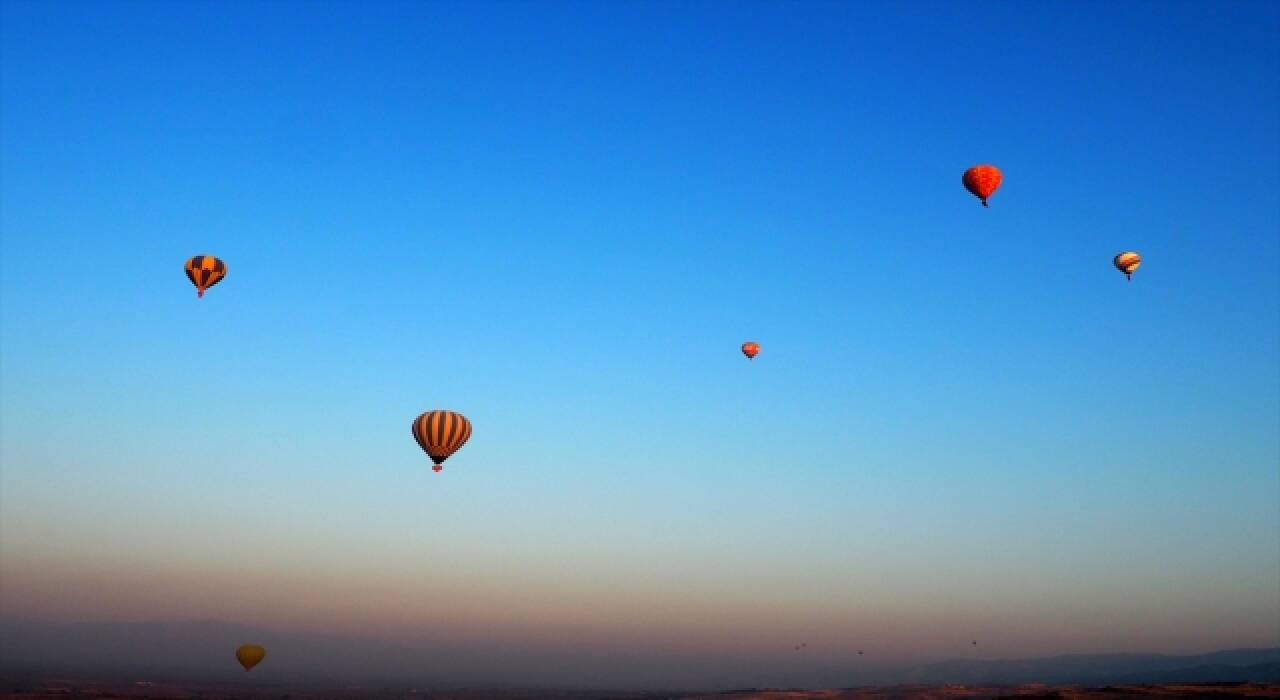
(440, 434)
(982, 181)
(751, 349)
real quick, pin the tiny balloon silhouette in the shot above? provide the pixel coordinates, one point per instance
(751, 349)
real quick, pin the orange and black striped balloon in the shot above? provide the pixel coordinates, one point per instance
(982, 181)
(1127, 262)
(751, 349)
(440, 434)
(204, 271)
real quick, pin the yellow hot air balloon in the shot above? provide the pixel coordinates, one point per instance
(1127, 262)
(250, 655)
(440, 434)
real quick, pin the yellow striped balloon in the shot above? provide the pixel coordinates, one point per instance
(204, 271)
(440, 434)
(1127, 262)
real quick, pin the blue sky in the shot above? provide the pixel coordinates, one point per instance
(562, 219)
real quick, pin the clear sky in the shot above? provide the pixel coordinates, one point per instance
(562, 219)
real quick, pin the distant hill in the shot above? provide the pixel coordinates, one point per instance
(1259, 673)
(1098, 669)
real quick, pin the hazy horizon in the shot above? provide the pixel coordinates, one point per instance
(561, 219)
(197, 651)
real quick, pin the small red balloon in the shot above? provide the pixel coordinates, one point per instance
(982, 181)
(751, 349)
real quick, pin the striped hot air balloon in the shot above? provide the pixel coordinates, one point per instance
(982, 181)
(751, 349)
(1127, 262)
(204, 271)
(440, 434)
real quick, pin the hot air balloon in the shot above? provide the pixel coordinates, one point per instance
(1127, 262)
(440, 434)
(982, 181)
(204, 271)
(751, 349)
(859, 652)
(250, 655)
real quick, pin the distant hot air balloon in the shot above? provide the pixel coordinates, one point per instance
(250, 655)
(1127, 262)
(751, 349)
(859, 652)
(440, 434)
(982, 181)
(204, 271)
(975, 642)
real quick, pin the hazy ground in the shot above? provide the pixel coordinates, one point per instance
(82, 688)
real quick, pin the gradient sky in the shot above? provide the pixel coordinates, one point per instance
(562, 219)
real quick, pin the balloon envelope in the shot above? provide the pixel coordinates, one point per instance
(250, 655)
(440, 434)
(204, 271)
(1127, 262)
(751, 349)
(982, 181)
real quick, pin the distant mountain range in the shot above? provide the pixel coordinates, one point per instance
(200, 651)
(1102, 669)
